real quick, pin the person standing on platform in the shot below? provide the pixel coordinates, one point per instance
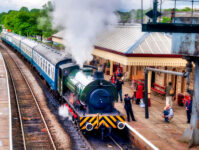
(139, 93)
(118, 84)
(128, 108)
(169, 93)
(134, 88)
(188, 108)
(119, 73)
(113, 78)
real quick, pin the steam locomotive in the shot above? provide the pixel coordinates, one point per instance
(89, 98)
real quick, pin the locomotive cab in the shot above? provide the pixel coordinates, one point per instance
(64, 71)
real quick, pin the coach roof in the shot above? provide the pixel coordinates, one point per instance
(52, 55)
(29, 42)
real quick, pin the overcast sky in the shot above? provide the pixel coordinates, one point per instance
(6, 5)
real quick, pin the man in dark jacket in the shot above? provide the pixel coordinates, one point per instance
(189, 108)
(118, 84)
(128, 107)
(119, 73)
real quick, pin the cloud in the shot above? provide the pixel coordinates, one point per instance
(7, 5)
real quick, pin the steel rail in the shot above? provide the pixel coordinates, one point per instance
(86, 141)
(50, 136)
(19, 111)
(116, 143)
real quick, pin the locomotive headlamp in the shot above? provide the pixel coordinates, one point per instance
(101, 83)
(89, 127)
(120, 125)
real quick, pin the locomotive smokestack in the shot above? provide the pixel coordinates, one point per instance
(100, 68)
(99, 73)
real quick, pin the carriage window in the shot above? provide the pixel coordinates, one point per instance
(40, 62)
(36, 56)
(49, 69)
(45, 66)
(53, 73)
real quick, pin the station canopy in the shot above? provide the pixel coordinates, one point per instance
(128, 45)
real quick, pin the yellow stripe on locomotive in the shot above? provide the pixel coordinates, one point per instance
(95, 122)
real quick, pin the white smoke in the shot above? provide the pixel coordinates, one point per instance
(63, 111)
(84, 21)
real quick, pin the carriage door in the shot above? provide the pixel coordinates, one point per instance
(59, 81)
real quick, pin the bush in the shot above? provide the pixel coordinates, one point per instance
(166, 19)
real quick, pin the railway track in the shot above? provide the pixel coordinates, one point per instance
(34, 129)
(116, 143)
(117, 140)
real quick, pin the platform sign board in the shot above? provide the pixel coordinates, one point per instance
(186, 43)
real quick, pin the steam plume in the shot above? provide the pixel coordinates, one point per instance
(63, 111)
(84, 21)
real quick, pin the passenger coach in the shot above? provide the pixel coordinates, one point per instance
(47, 61)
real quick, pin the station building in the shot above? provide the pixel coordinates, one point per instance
(134, 50)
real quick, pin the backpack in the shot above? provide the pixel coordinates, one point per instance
(172, 92)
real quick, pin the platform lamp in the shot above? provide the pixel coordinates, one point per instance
(185, 41)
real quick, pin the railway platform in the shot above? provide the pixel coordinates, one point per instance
(164, 136)
(5, 109)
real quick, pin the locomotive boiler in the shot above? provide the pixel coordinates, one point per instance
(90, 97)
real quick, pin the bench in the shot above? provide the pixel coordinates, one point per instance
(158, 89)
(138, 82)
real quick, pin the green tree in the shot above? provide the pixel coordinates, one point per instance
(35, 10)
(2, 17)
(124, 17)
(166, 19)
(24, 9)
(9, 20)
(22, 22)
(29, 23)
